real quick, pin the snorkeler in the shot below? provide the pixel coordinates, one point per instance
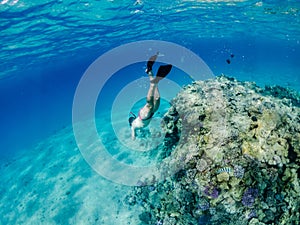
(153, 98)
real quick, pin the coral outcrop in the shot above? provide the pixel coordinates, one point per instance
(234, 157)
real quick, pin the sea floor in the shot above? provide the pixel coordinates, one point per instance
(52, 184)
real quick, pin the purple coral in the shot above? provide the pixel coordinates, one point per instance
(204, 220)
(238, 171)
(204, 205)
(249, 197)
(211, 191)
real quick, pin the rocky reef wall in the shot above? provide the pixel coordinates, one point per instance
(234, 157)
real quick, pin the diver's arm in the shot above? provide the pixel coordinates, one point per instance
(133, 133)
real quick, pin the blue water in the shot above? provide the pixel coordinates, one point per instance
(46, 46)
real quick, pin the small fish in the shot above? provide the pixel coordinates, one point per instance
(232, 55)
(224, 169)
(228, 61)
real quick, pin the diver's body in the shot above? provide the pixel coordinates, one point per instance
(153, 98)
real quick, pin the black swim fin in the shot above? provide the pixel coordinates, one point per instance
(150, 62)
(163, 71)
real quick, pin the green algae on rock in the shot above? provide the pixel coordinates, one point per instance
(233, 137)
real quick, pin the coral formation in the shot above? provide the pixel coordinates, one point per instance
(231, 156)
(249, 197)
(238, 171)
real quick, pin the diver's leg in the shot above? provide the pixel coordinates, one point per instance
(156, 100)
(150, 95)
(147, 110)
(152, 88)
(151, 76)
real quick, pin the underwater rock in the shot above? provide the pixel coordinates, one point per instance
(236, 159)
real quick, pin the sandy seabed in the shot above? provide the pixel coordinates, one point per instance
(52, 184)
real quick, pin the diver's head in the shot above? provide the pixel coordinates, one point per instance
(130, 120)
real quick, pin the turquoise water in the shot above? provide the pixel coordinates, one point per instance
(46, 47)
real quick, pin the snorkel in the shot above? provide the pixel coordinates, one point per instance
(131, 119)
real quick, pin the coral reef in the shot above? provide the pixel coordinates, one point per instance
(231, 156)
(239, 171)
(249, 197)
